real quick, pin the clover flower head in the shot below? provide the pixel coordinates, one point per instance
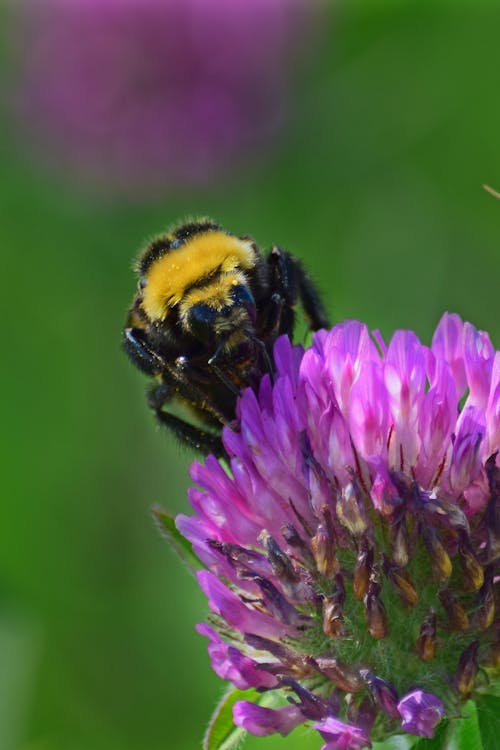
(352, 546)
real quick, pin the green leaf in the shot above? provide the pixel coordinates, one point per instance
(178, 543)
(492, 684)
(488, 715)
(221, 732)
(463, 733)
(397, 742)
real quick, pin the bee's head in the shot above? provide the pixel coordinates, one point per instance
(213, 323)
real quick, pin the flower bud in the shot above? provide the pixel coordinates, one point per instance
(362, 713)
(293, 538)
(384, 694)
(362, 571)
(492, 516)
(426, 642)
(399, 537)
(280, 562)
(472, 568)
(441, 563)
(276, 603)
(376, 615)
(333, 624)
(467, 669)
(400, 579)
(485, 614)
(457, 616)
(323, 546)
(345, 677)
(311, 704)
(351, 510)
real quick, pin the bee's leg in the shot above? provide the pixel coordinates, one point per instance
(212, 363)
(289, 279)
(177, 383)
(266, 357)
(284, 293)
(269, 330)
(136, 347)
(272, 323)
(179, 373)
(200, 440)
(160, 394)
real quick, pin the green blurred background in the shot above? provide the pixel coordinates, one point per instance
(377, 184)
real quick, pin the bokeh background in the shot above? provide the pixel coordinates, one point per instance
(357, 136)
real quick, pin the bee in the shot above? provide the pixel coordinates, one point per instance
(208, 309)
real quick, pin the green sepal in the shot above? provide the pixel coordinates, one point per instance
(221, 732)
(181, 546)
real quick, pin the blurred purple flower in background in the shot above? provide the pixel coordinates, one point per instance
(141, 94)
(352, 551)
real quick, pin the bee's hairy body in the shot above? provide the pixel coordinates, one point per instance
(204, 320)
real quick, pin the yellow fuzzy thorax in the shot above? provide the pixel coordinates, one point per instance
(197, 259)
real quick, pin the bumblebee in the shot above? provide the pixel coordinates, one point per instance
(208, 309)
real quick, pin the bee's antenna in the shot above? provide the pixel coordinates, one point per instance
(492, 192)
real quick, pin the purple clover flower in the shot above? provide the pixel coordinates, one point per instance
(352, 548)
(420, 713)
(340, 736)
(151, 93)
(263, 721)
